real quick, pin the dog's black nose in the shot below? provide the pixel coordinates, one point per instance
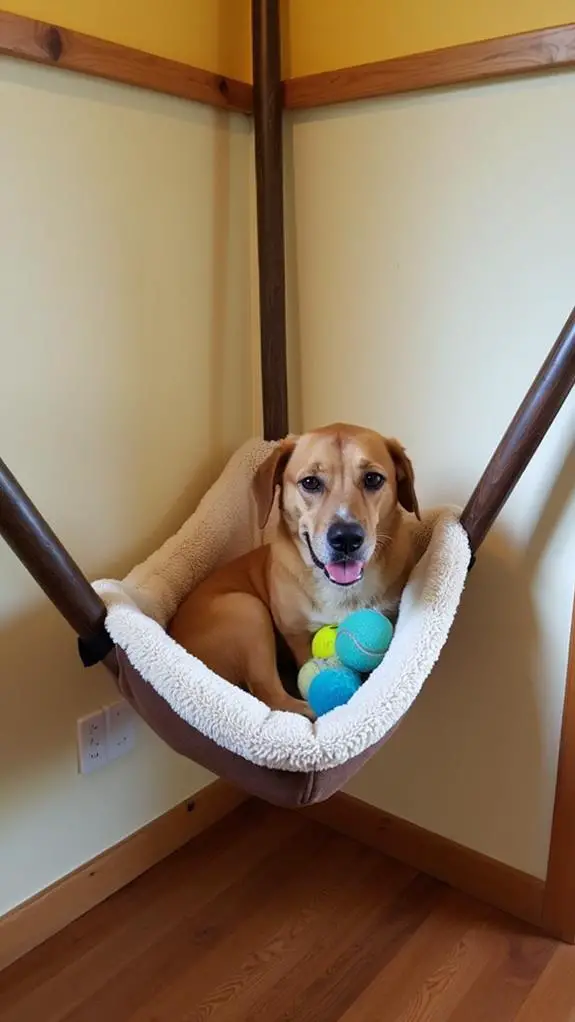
(345, 537)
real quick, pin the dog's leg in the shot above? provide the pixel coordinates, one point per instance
(300, 645)
(234, 636)
(261, 674)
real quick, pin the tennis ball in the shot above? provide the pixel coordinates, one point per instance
(323, 642)
(362, 640)
(332, 687)
(309, 670)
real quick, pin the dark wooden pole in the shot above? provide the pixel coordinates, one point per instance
(41, 552)
(530, 424)
(268, 105)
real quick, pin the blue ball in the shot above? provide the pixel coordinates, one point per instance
(363, 639)
(332, 688)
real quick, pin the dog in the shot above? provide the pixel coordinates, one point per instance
(342, 543)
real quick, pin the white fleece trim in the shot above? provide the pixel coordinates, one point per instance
(224, 526)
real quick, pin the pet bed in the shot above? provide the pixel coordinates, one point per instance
(319, 756)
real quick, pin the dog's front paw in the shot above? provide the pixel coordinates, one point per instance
(307, 711)
(293, 705)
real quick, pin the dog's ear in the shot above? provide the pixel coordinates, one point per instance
(405, 477)
(269, 476)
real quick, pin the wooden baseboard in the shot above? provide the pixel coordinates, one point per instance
(486, 879)
(46, 913)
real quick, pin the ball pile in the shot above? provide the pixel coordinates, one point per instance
(341, 656)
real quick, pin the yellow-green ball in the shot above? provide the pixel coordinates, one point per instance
(323, 642)
(309, 671)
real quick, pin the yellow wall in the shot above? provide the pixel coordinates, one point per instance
(320, 35)
(211, 34)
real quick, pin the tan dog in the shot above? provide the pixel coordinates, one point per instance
(342, 544)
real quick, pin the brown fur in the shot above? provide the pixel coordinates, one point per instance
(227, 620)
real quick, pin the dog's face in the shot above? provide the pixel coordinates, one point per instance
(340, 485)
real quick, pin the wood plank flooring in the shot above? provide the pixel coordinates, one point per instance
(272, 918)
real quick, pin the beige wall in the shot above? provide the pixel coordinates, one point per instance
(125, 381)
(434, 266)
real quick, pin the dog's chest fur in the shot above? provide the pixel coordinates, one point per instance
(302, 599)
(331, 604)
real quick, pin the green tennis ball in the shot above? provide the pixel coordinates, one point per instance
(309, 671)
(363, 639)
(323, 642)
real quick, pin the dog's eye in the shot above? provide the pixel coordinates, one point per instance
(373, 480)
(311, 484)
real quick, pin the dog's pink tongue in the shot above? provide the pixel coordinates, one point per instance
(345, 572)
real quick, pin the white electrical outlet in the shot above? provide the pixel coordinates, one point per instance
(105, 735)
(92, 742)
(120, 728)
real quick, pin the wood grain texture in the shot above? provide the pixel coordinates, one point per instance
(50, 911)
(270, 917)
(60, 47)
(552, 999)
(41, 552)
(268, 128)
(559, 901)
(464, 869)
(535, 415)
(543, 50)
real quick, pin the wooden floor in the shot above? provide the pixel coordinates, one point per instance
(271, 917)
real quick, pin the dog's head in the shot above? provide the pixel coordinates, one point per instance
(340, 486)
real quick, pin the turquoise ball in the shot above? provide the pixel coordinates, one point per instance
(332, 687)
(363, 639)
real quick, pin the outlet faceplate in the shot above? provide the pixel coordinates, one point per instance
(105, 735)
(120, 728)
(92, 742)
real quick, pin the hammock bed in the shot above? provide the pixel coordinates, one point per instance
(279, 756)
